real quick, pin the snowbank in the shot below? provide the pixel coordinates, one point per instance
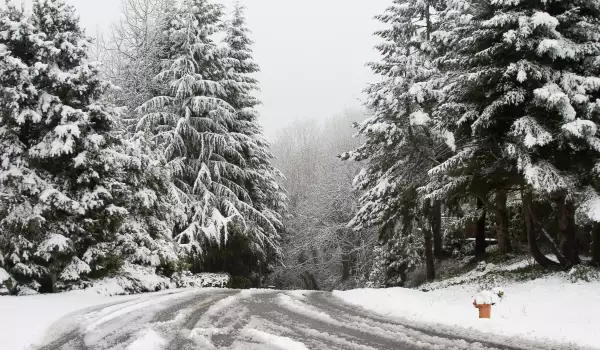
(550, 310)
(24, 319)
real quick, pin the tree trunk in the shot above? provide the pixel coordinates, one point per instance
(436, 228)
(536, 224)
(568, 230)
(596, 244)
(427, 233)
(480, 243)
(534, 249)
(502, 233)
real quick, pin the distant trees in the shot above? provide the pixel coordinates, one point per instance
(482, 102)
(320, 251)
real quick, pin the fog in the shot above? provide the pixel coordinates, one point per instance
(312, 53)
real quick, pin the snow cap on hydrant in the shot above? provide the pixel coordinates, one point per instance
(485, 299)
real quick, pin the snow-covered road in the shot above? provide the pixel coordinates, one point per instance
(228, 319)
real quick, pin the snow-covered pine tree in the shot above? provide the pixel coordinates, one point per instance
(76, 200)
(524, 104)
(196, 128)
(259, 179)
(402, 139)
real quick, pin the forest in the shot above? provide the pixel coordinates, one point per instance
(479, 139)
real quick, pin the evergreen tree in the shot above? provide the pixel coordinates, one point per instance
(207, 140)
(402, 139)
(77, 201)
(259, 180)
(524, 105)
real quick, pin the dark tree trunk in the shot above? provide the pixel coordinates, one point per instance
(436, 228)
(428, 236)
(596, 244)
(568, 230)
(480, 243)
(534, 249)
(310, 282)
(345, 267)
(502, 233)
(537, 225)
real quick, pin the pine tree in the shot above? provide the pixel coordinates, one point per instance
(524, 105)
(206, 139)
(259, 179)
(402, 139)
(77, 201)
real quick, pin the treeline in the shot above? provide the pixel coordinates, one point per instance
(488, 111)
(181, 180)
(320, 250)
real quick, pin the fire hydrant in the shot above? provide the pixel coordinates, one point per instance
(485, 310)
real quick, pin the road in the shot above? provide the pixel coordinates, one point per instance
(228, 319)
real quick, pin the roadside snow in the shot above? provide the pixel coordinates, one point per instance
(24, 319)
(148, 340)
(550, 310)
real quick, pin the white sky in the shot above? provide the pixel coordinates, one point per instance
(312, 53)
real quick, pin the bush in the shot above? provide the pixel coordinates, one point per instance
(186, 279)
(6, 282)
(583, 273)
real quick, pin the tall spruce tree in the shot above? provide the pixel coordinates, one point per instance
(402, 139)
(259, 180)
(76, 200)
(524, 106)
(206, 125)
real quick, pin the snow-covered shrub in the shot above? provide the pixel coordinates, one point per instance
(186, 279)
(583, 273)
(131, 279)
(6, 283)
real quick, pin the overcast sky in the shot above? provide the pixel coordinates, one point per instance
(312, 53)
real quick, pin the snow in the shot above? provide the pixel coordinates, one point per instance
(544, 19)
(419, 118)
(3, 275)
(485, 297)
(148, 340)
(20, 329)
(278, 342)
(529, 311)
(301, 308)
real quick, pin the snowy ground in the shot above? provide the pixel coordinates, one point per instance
(23, 320)
(551, 310)
(226, 319)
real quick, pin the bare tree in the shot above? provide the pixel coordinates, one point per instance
(321, 252)
(133, 50)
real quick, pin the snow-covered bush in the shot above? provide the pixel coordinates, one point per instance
(186, 279)
(583, 273)
(131, 279)
(5, 282)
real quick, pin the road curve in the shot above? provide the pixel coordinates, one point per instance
(251, 319)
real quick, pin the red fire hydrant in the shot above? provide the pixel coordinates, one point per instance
(485, 310)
